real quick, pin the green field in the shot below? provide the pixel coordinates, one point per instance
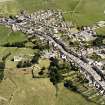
(20, 89)
(101, 31)
(7, 36)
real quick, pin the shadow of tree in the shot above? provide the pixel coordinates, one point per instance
(1, 74)
(2, 67)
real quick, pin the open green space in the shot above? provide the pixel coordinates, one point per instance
(89, 12)
(101, 31)
(16, 52)
(21, 89)
(7, 36)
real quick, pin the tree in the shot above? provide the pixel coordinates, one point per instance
(74, 67)
(95, 57)
(23, 64)
(55, 76)
(2, 65)
(35, 57)
(39, 44)
(69, 84)
(98, 41)
(54, 72)
(65, 67)
(41, 72)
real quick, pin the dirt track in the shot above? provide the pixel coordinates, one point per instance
(5, 0)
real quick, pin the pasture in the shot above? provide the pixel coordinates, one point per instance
(7, 36)
(21, 89)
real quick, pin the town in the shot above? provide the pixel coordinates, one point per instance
(71, 42)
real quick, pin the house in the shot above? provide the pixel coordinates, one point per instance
(18, 58)
(14, 28)
(63, 56)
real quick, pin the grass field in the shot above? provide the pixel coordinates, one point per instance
(7, 36)
(15, 52)
(21, 89)
(101, 31)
